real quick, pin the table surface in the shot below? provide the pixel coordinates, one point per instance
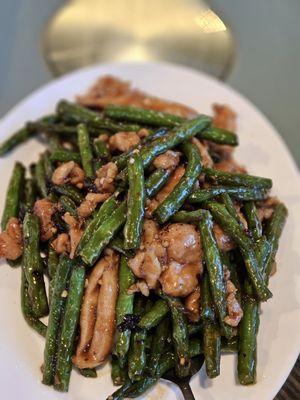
(266, 66)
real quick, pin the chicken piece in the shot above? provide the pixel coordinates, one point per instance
(182, 242)
(97, 318)
(124, 141)
(61, 244)
(165, 191)
(224, 117)
(204, 153)
(168, 160)
(140, 286)
(234, 309)
(11, 241)
(142, 133)
(230, 165)
(105, 178)
(68, 172)
(192, 305)
(180, 280)
(104, 137)
(149, 259)
(184, 265)
(90, 203)
(75, 232)
(266, 208)
(225, 243)
(44, 209)
(111, 90)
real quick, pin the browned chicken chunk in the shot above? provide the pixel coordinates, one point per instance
(68, 172)
(105, 178)
(11, 242)
(111, 90)
(124, 141)
(44, 209)
(184, 265)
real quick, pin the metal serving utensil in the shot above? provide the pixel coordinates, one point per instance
(184, 383)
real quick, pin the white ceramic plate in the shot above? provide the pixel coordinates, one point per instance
(261, 150)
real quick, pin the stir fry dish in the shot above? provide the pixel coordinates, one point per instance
(141, 238)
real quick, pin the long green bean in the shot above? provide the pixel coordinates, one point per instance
(13, 194)
(184, 187)
(69, 329)
(124, 307)
(33, 266)
(56, 313)
(135, 203)
(84, 144)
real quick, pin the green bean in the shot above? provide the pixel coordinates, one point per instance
(64, 155)
(85, 150)
(248, 329)
(88, 372)
(124, 307)
(69, 329)
(70, 191)
(207, 307)
(53, 143)
(40, 177)
(13, 194)
(153, 317)
(48, 167)
(215, 270)
(235, 179)
(230, 345)
(234, 276)
(27, 312)
(142, 116)
(101, 150)
(195, 327)
(120, 393)
(166, 362)
(173, 138)
(135, 203)
(220, 136)
(241, 193)
(137, 350)
(98, 217)
(68, 205)
(228, 203)
(56, 312)
(182, 190)
(118, 373)
(158, 345)
(273, 232)
(52, 263)
(29, 194)
(156, 181)
(33, 266)
(121, 159)
(212, 349)
(188, 216)
(20, 136)
(103, 234)
(117, 244)
(254, 223)
(231, 226)
(180, 336)
(74, 113)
